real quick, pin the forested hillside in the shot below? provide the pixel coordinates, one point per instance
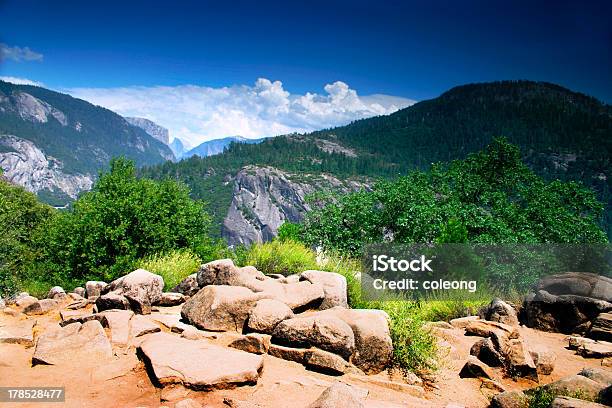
(561, 134)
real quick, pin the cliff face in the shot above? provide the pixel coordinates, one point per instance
(158, 132)
(26, 165)
(265, 197)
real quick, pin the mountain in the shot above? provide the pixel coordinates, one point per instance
(217, 146)
(177, 147)
(55, 145)
(562, 134)
(158, 132)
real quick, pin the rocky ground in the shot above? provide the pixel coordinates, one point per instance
(232, 337)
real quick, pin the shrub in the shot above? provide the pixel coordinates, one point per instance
(289, 231)
(173, 266)
(122, 220)
(283, 257)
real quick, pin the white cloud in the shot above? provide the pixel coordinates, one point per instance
(20, 81)
(197, 113)
(18, 54)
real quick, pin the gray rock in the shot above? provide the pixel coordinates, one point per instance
(79, 291)
(544, 361)
(600, 375)
(141, 288)
(118, 321)
(140, 326)
(266, 314)
(111, 301)
(501, 312)
(568, 402)
(327, 333)
(485, 351)
(220, 308)
(73, 343)
(598, 349)
(575, 342)
(325, 362)
(474, 368)
(462, 322)
(93, 289)
(601, 328)
(56, 292)
(255, 343)
(510, 399)
(288, 353)
(174, 360)
(19, 333)
(171, 299)
(518, 360)
(340, 395)
(334, 287)
(188, 286)
(575, 384)
(41, 307)
(579, 284)
(25, 301)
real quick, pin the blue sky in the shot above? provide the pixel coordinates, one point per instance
(107, 51)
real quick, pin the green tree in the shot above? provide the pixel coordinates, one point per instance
(121, 220)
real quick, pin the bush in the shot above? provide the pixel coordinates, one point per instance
(173, 266)
(282, 257)
(289, 231)
(123, 219)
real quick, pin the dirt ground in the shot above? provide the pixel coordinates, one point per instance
(124, 382)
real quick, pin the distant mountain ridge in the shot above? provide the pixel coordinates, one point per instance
(217, 146)
(55, 145)
(562, 134)
(158, 132)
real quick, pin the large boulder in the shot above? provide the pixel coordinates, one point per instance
(118, 321)
(596, 349)
(600, 375)
(112, 301)
(255, 343)
(171, 299)
(93, 289)
(577, 283)
(197, 364)
(41, 307)
(474, 368)
(56, 292)
(485, 351)
(334, 287)
(575, 385)
(80, 291)
(500, 311)
(569, 402)
(544, 361)
(296, 295)
(373, 345)
(601, 328)
(510, 399)
(340, 395)
(18, 333)
(188, 286)
(141, 288)
(266, 314)
(75, 342)
(220, 308)
(25, 301)
(327, 333)
(518, 360)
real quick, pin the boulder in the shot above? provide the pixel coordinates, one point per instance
(462, 322)
(41, 307)
(575, 385)
(501, 312)
(569, 402)
(266, 314)
(327, 333)
(220, 308)
(118, 321)
(334, 287)
(25, 301)
(544, 361)
(484, 328)
(112, 301)
(188, 286)
(288, 353)
(597, 349)
(510, 399)
(141, 288)
(340, 395)
(56, 292)
(298, 296)
(198, 364)
(73, 343)
(79, 291)
(474, 368)
(579, 284)
(93, 289)
(140, 326)
(171, 299)
(18, 333)
(600, 375)
(601, 328)
(255, 343)
(518, 361)
(224, 272)
(575, 342)
(325, 362)
(373, 345)
(485, 351)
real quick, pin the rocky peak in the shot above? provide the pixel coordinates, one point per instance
(158, 132)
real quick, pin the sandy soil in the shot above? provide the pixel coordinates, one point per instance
(124, 382)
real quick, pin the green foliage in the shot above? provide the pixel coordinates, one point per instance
(173, 266)
(490, 197)
(22, 219)
(289, 231)
(124, 219)
(283, 257)
(542, 397)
